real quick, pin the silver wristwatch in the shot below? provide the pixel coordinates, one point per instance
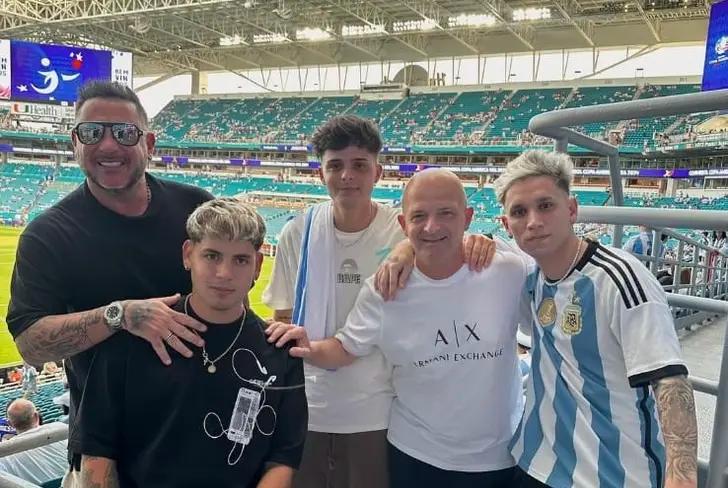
(114, 315)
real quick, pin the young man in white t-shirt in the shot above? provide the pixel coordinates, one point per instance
(450, 337)
(608, 403)
(348, 408)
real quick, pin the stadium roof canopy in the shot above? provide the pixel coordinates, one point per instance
(174, 36)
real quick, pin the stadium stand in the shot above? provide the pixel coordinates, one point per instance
(4, 116)
(466, 118)
(376, 110)
(278, 114)
(524, 104)
(413, 117)
(35, 187)
(640, 130)
(304, 124)
(472, 117)
(20, 185)
(596, 96)
(48, 389)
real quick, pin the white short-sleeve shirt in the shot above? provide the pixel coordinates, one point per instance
(356, 398)
(452, 345)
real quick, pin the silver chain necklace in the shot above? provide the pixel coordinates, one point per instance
(206, 361)
(364, 231)
(570, 268)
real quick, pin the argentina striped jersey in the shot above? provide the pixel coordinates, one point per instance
(600, 337)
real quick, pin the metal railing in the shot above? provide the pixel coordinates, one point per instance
(51, 433)
(713, 473)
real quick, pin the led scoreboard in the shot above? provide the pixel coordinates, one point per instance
(47, 73)
(715, 71)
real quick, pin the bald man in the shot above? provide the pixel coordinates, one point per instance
(451, 339)
(22, 415)
(39, 465)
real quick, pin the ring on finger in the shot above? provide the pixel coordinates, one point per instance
(171, 334)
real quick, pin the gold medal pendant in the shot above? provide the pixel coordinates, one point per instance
(571, 322)
(546, 312)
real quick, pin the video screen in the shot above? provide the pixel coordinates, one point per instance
(715, 71)
(48, 73)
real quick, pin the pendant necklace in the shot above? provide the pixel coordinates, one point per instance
(206, 361)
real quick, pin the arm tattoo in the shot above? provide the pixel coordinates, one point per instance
(57, 337)
(676, 407)
(98, 472)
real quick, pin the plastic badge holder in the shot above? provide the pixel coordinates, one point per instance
(242, 422)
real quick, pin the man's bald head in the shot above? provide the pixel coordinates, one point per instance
(434, 218)
(22, 415)
(430, 178)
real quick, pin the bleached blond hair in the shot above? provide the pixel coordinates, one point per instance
(226, 218)
(535, 163)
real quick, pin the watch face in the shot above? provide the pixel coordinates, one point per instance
(113, 315)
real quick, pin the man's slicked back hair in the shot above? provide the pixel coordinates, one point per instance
(110, 90)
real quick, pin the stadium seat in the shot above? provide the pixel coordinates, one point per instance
(32, 193)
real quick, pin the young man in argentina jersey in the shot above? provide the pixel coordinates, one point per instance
(608, 402)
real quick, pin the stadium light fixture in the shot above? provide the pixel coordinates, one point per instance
(425, 24)
(471, 20)
(524, 14)
(312, 34)
(269, 38)
(235, 40)
(362, 30)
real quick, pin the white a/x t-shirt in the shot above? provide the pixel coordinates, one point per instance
(356, 398)
(452, 345)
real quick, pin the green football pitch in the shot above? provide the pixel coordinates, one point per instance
(8, 244)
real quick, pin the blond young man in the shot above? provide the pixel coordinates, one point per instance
(234, 415)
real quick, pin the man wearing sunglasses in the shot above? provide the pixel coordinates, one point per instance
(106, 258)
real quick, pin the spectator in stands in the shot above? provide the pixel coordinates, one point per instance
(50, 368)
(117, 237)
(14, 375)
(641, 243)
(348, 408)
(705, 238)
(30, 381)
(573, 296)
(722, 242)
(41, 464)
(445, 345)
(717, 239)
(196, 402)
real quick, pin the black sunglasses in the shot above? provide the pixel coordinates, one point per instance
(91, 133)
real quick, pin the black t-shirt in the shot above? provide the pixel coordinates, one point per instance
(166, 426)
(79, 255)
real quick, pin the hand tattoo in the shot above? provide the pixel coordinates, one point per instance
(137, 313)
